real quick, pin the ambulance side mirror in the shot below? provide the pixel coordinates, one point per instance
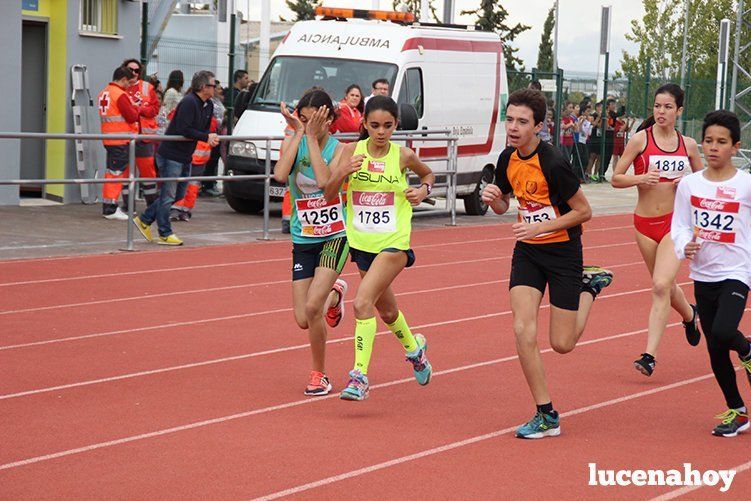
(407, 117)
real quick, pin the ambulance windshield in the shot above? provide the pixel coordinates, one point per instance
(289, 77)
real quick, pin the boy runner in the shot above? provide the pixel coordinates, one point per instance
(548, 251)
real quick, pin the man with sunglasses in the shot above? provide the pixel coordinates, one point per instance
(192, 119)
(144, 96)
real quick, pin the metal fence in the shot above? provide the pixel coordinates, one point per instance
(132, 180)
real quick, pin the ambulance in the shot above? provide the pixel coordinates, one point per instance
(443, 77)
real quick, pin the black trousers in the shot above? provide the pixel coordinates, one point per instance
(721, 306)
(211, 168)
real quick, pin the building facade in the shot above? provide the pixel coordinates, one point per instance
(42, 40)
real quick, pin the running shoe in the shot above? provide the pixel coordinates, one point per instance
(357, 388)
(693, 336)
(318, 385)
(594, 279)
(144, 228)
(170, 239)
(335, 314)
(645, 364)
(733, 421)
(541, 425)
(420, 365)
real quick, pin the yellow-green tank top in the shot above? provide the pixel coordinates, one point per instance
(378, 213)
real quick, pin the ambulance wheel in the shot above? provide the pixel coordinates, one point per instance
(242, 205)
(473, 203)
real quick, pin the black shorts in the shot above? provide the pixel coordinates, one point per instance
(364, 259)
(558, 265)
(329, 254)
(117, 158)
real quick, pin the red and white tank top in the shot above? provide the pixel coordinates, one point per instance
(671, 164)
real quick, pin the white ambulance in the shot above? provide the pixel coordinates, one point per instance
(453, 77)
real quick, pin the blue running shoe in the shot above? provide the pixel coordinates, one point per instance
(594, 279)
(357, 388)
(541, 425)
(420, 365)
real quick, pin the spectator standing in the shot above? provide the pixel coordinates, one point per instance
(595, 140)
(118, 115)
(351, 107)
(608, 124)
(581, 153)
(173, 94)
(192, 119)
(241, 80)
(208, 188)
(143, 95)
(381, 87)
(568, 124)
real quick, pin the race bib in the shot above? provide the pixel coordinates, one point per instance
(714, 220)
(320, 218)
(374, 212)
(533, 212)
(670, 166)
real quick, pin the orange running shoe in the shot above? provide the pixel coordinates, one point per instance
(318, 385)
(335, 314)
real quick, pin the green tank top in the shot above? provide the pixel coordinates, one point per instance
(378, 213)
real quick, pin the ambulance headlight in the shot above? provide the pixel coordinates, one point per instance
(243, 149)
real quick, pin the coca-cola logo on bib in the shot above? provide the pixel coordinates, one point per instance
(373, 199)
(714, 205)
(315, 203)
(322, 230)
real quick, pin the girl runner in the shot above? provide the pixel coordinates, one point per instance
(712, 228)
(379, 214)
(319, 244)
(661, 156)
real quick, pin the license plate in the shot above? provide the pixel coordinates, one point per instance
(276, 191)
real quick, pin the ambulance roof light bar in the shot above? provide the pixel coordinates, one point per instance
(381, 15)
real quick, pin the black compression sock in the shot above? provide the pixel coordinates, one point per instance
(547, 409)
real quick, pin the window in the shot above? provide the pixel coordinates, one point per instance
(411, 91)
(98, 16)
(289, 77)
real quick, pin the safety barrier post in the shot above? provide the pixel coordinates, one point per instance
(266, 188)
(452, 163)
(132, 192)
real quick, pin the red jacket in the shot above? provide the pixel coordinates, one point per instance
(347, 120)
(144, 95)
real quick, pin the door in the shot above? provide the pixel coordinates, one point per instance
(33, 104)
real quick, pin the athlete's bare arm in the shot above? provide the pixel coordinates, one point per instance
(410, 160)
(495, 199)
(580, 213)
(348, 163)
(634, 147)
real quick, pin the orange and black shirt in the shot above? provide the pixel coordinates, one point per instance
(542, 182)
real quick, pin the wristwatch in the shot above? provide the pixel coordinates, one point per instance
(430, 188)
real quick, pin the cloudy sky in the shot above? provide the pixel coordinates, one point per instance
(578, 31)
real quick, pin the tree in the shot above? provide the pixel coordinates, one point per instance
(660, 37)
(545, 52)
(304, 10)
(413, 6)
(492, 17)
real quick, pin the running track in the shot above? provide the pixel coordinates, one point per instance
(179, 375)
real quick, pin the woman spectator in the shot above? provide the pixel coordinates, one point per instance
(174, 92)
(351, 107)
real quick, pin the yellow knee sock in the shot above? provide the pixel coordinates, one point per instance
(403, 334)
(365, 331)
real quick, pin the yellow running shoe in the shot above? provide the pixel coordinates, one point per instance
(170, 239)
(144, 228)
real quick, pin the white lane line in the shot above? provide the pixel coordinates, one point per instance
(276, 282)
(469, 441)
(246, 315)
(685, 490)
(240, 263)
(265, 410)
(233, 358)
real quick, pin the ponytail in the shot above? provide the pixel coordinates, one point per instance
(649, 122)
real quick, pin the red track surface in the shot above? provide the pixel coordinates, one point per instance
(180, 375)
